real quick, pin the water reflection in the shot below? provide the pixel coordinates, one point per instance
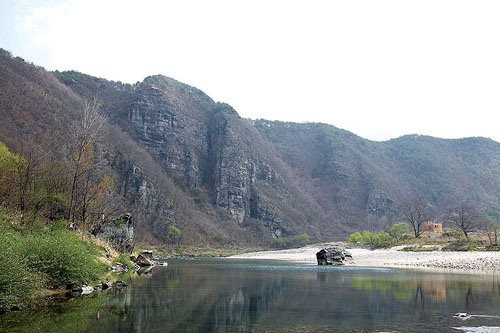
(243, 296)
(222, 295)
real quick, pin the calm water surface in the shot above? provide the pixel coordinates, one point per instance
(224, 295)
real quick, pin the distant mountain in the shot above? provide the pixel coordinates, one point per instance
(177, 157)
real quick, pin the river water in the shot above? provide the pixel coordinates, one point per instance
(226, 295)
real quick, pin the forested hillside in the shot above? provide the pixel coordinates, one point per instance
(178, 158)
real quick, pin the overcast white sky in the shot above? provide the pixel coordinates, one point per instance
(380, 69)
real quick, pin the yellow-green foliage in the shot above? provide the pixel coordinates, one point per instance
(355, 238)
(6, 171)
(174, 233)
(399, 231)
(380, 239)
(6, 157)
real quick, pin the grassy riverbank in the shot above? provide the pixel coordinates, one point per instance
(34, 259)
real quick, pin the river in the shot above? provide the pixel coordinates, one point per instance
(227, 295)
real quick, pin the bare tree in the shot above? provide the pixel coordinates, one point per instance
(464, 217)
(97, 200)
(82, 151)
(492, 227)
(415, 213)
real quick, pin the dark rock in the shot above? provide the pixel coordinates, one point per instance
(76, 288)
(118, 233)
(119, 268)
(145, 259)
(107, 285)
(79, 289)
(119, 284)
(335, 255)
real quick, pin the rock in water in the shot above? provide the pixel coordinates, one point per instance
(118, 233)
(335, 255)
(145, 259)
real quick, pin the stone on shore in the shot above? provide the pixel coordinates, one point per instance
(87, 290)
(120, 284)
(334, 255)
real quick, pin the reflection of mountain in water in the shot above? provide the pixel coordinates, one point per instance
(229, 296)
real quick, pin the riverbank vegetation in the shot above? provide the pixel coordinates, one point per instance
(451, 239)
(41, 198)
(398, 232)
(36, 258)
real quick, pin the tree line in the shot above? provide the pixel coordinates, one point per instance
(466, 218)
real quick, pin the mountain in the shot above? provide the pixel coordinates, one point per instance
(179, 158)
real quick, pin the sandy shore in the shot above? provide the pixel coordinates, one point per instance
(462, 261)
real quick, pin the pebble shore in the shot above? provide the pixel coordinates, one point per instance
(462, 261)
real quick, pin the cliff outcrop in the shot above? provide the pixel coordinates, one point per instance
(117, 233)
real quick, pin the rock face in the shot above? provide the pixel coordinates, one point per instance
(335, 255)
(205, 148)
(118, 233)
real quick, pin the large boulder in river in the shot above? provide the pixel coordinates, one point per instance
(334, 255)
(118, 233)
(145, 259)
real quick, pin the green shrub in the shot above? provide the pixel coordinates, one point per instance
(18, 282)
(382, 239)
(367, 237)
(399, 231)
(355, 238)
(62, 257)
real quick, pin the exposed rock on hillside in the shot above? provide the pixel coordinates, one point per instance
(118, 233)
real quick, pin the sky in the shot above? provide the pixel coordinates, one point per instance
(380, 69)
